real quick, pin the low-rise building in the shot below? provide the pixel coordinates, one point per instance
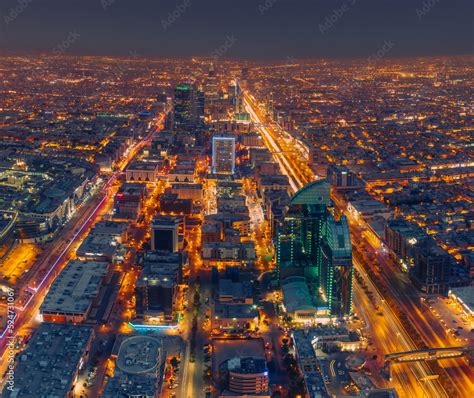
(50, 364)
(273, 182)
(100, 248)
(171, 204)
(366, 209)
(117, 230)
(464, 298)
(231, 292)
(137, 371)
(297, 299)
(188, 191)
(228, 253)
(241, 222)
(234, 317)
(74, 291)
(129, 200)
(244, 377)
(142, 172)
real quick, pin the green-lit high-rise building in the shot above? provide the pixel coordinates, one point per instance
(308, 244)
(337, 271)
(185, 107)
(299, 234)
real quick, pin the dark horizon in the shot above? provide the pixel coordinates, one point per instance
(248, 29)
(155, 58)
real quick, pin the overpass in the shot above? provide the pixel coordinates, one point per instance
(428, 354)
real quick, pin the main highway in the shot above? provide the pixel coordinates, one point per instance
(416, 382)
(429, 327)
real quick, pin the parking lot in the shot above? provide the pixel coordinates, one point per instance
(458, 328)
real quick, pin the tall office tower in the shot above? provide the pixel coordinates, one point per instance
(212, 88)
(184, 115)
(231, 95)
(299, 235)
(239, 99)
(245, 74)
(336, 269)
(235, 99)
(200, 107)
(223, 154)
(167, 233)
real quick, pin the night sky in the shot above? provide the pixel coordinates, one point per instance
(281, 29)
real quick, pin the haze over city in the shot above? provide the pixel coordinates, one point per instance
(264, 198)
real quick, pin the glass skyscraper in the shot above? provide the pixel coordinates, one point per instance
(337, 271)
(310, 243)
(185, 109)
(299, 234)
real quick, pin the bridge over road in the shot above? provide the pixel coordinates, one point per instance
(428, 354)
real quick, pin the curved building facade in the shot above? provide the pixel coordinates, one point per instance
(245, 375)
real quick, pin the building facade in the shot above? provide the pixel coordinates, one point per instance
(337, 271)
(223, 155)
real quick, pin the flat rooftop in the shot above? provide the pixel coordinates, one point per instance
(237, 311)
(139, 354)
(296, 295)
(248, 365)
(142, 166)
(98, 246)
(234, 289)
(75, 287)
(465, 295)
(107, 227)
(47, 365)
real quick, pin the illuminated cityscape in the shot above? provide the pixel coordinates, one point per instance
(209, 226)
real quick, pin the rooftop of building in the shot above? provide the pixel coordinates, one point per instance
(314, 193)
(142, 166)
(465, 295)
(296, 296)
(166, 220)
(108, 227)
(236, 311)
(95, 246)
(131, 188)
(139, 354)
(130, 385)
(235, 289)
(248, 365)
(177, 185)
(47, 365)
(338, 236)
(75, 287)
